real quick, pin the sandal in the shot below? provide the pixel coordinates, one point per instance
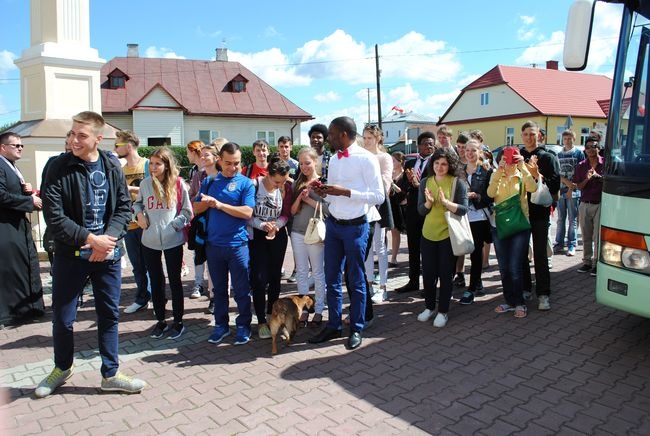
(521, 311)
(503, 308)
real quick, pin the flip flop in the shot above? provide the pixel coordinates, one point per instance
(503, 308)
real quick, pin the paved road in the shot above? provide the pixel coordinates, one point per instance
(579, 369)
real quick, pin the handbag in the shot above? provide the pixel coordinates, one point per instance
(460, 233)
(542, 196)
(510, 219)
(315, 233)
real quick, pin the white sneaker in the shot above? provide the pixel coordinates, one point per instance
(377, 297)
(544, 303)
(134, 307)
(441, 320)
(425, 315)
(197, 291)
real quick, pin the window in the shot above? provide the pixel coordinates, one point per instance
(268, 136)
(510, 135)
(117, 79)
(485, 98)
(238, 86)
(559, 131)
(584, 134)
(159, 142)
(207, 136)
(117, 82)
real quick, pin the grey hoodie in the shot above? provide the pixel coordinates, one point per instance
(165, 222)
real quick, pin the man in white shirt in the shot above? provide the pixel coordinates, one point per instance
(354, 186)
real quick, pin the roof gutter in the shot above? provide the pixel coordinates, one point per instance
(295, 123)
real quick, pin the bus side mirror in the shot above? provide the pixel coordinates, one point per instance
(578, 34)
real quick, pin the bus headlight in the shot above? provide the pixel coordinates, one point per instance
(610, 253)
(636, 259)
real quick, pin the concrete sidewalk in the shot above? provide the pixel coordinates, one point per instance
(579, 369)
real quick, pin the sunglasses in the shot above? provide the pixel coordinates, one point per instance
(15, 145)
(591, 146)
(121, 144)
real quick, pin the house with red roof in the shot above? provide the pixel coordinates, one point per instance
(501, 100)
(174, 101)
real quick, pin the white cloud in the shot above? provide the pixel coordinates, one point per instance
(327, 97)
(527, 19)
(162, 52)
(550, 49)
(527, 31)
(6, 63)
(272, 66)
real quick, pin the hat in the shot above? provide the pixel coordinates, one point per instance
(509, 154)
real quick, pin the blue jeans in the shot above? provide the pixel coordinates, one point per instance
(510, 252)
(345, 243)
(68, 278)
(567, 207)
(221, 260)
(133, 243)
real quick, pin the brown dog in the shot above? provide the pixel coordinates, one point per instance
(285, 317)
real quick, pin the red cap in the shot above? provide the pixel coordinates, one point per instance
(509, 154)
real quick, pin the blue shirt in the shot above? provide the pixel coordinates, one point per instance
(225, 229)
(96, 197)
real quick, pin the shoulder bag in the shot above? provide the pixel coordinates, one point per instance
(315, 233)
(460, 232)
(510, 219)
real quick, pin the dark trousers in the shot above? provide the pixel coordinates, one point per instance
(134, 249)
(173, 262)
(68, 279)
(510, 251)
(267, 257)
(414, 223)
(221, 261)
(345, 245)
(438, 263)
(539, 231)
(480, 233)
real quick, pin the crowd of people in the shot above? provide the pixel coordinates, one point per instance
(247, 217)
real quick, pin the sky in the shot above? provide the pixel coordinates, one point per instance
(320, 55)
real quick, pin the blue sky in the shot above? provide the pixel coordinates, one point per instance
(321, 54)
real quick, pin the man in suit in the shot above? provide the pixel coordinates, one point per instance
(415, 170)
(21, 293)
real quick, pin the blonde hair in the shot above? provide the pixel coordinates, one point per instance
(218, 142)
(165, 190)
(93, 119)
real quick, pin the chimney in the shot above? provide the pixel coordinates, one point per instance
(551, 65)
(222, 54)
(132, 51)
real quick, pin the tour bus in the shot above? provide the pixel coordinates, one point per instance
(623, 273)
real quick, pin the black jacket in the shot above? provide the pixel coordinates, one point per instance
(65, 198)
(549, 167)
(412, 191)
(479, 185)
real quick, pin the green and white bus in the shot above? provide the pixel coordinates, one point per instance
(623, 273)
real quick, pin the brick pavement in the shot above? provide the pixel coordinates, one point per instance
(580, 368)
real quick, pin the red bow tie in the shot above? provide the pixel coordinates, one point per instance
(343, 153)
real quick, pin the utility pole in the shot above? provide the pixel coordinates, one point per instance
(378, 73)
(368, 89)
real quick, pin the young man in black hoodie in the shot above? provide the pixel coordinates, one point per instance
(539, 162)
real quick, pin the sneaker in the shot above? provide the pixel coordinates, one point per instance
(527, 295)
(544, 303)
(377, 297)
(263, 331)
(159, 330)
(244, 335)
(584, 268)
(210, 309)
(134, 307)
(49, 384)
(197, 291)
(480, 290)
(459, 280)
(292, 278)
(557, 249)
(425, 315)
(122, 383)
(441, 320)
(467, 298)
(571, 252)
(176, 331)
(593, 272)
(219, 332)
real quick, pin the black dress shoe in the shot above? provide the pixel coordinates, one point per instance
(325, 335)
(353, 341)
(409, 287)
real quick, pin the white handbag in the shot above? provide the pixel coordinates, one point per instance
(460, 233)
(315, 233)
(542, 196)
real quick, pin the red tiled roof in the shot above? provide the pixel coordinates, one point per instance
(552, 92)
(198, 86)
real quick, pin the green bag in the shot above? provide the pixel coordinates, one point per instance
(510, 219)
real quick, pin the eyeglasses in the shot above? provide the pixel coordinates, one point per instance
(121, 144)
(591, 146)
(15, 145)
